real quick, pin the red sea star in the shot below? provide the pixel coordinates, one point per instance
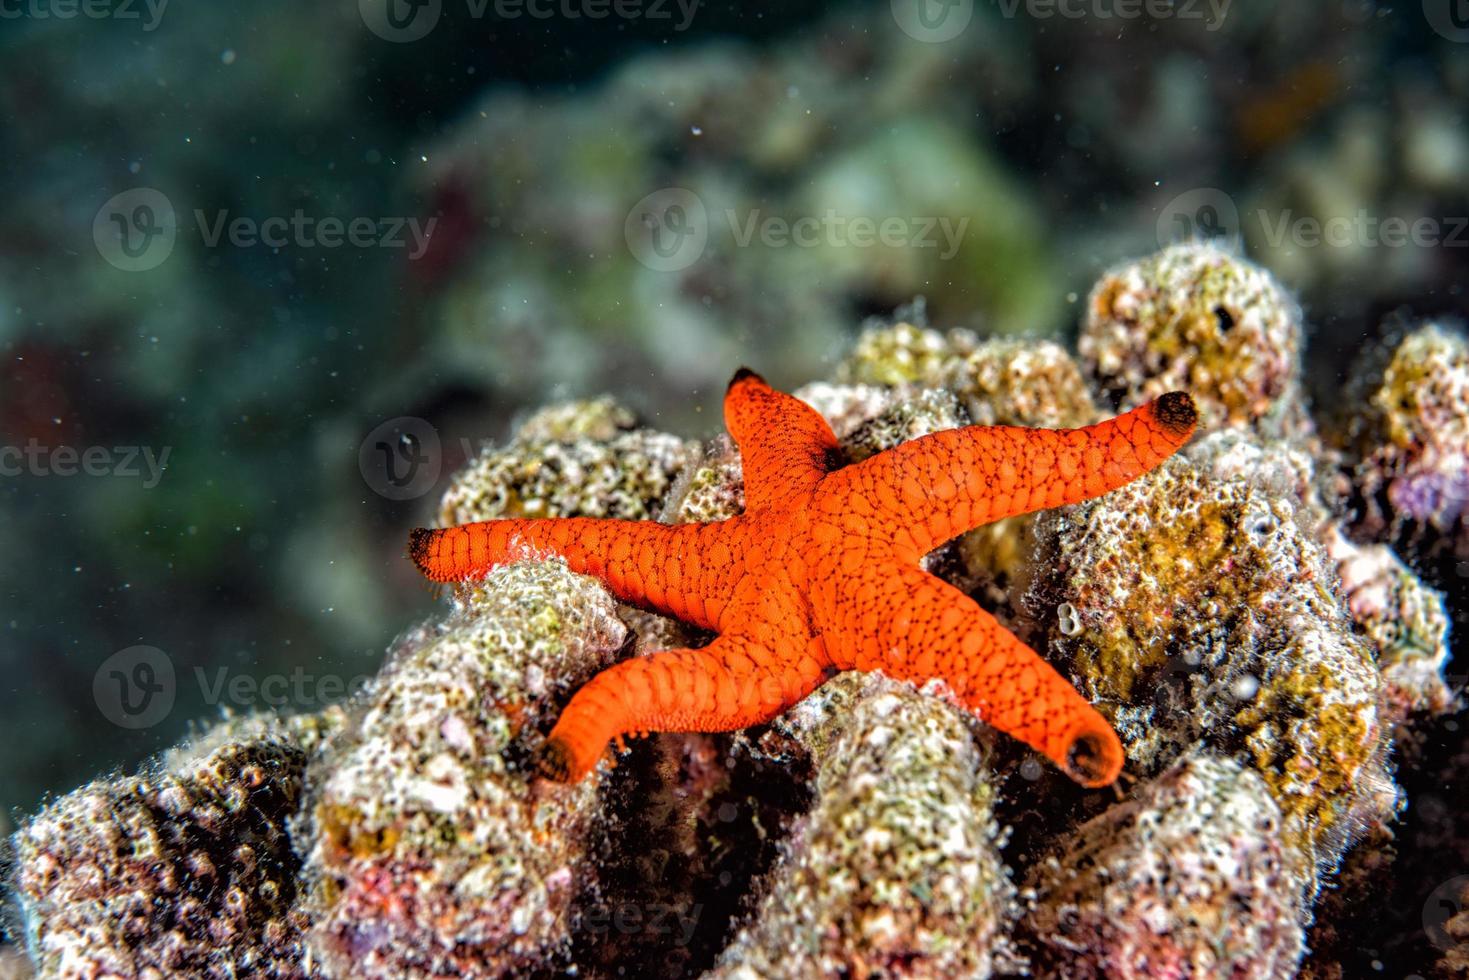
(820, 574)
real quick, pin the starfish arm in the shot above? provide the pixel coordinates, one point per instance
(915, 627)
(732, 683)
(941, 485)
(661, 567)
(786, 447)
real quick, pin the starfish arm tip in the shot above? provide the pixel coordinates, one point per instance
(555, 761)
(1094, 758)
(1176, 412)
(418, 546)
(741, 375)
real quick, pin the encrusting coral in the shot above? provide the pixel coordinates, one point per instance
(186, 871)
(897, 866)
(581, 458)
(1403, 617)
(997, 382)
(1187, 878)
(1257, 644)
(1198, 318)
(1198, 608)
(429, 848)
(1409, 434)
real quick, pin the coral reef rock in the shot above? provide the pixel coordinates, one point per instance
(1248, 616)
(1188, 878)
(896, 867)
(1198, 608)
(1404, 617)
(1411, 439)
(582, 459)
(429, 848)
(997, 382)
(1197, 318)
(187, 871)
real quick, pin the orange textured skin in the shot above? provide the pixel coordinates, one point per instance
(820, 575)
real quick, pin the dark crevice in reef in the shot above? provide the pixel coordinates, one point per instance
(685, 837)
(1397, 883)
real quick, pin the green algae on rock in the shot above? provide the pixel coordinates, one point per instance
(1022, 382)
(1188, 878)
(903, 353)
(1202, 609)
(896, 867)
(597, 419)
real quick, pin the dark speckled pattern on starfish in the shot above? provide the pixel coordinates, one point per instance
(820, 574)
